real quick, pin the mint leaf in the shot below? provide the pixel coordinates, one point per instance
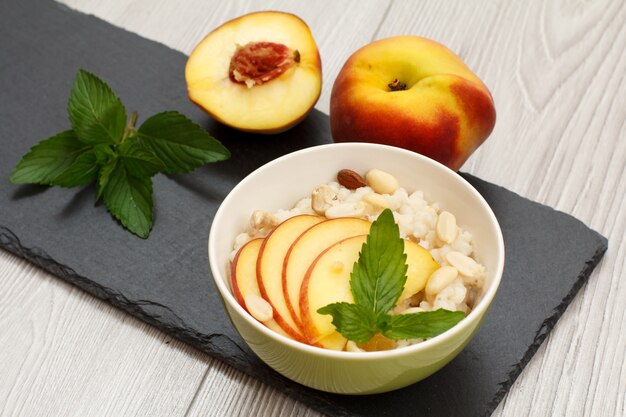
(139, 161)
(181, 144)
(354, 321)
(48, 159)
(129, 199)
(96, 114)
(378, 277)
(421, 325)
(83, 170)
(104, 175)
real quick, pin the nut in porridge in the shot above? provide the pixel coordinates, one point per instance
(446, 228)
(465, 265)
(261, 222)
(259, 308)
(347, 209)
(439, 280)
(350, 179)
(382, 182)
(376, 201)
(322, 198)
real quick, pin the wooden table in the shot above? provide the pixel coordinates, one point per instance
(557, 72)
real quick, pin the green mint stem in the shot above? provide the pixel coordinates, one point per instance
(130, 127)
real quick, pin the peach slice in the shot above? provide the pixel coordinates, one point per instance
(244, 279)
(269, 268)
(328, 281)
(258, 73)
(307, 247)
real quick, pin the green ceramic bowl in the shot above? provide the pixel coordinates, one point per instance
(279, 184)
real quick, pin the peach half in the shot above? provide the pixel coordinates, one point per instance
(258, 73)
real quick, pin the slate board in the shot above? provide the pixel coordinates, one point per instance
(165, 280)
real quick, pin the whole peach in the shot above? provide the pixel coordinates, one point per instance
(413, 93)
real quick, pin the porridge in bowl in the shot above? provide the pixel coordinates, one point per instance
(288, 265)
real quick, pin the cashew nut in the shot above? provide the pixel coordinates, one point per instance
(262, 222)
(323, 198)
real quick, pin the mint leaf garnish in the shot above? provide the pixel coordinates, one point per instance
(129, 199)
(354, 321)
(106, 148)
(379, 275)
(423, 325)
(377, 281)
(48, 159)
(96, 114)
(181, 144)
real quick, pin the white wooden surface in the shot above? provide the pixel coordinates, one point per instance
(557, 72)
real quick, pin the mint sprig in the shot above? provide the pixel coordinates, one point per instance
(103, 146)
(377, 281)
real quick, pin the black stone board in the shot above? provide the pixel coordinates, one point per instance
(165, 280)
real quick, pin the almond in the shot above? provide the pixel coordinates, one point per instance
(350, 179)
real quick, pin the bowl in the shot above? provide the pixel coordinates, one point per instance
(280, 184)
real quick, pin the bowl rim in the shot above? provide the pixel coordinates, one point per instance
(478, 311)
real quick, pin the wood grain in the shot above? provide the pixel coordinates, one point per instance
(557, 73)
(65, 353)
